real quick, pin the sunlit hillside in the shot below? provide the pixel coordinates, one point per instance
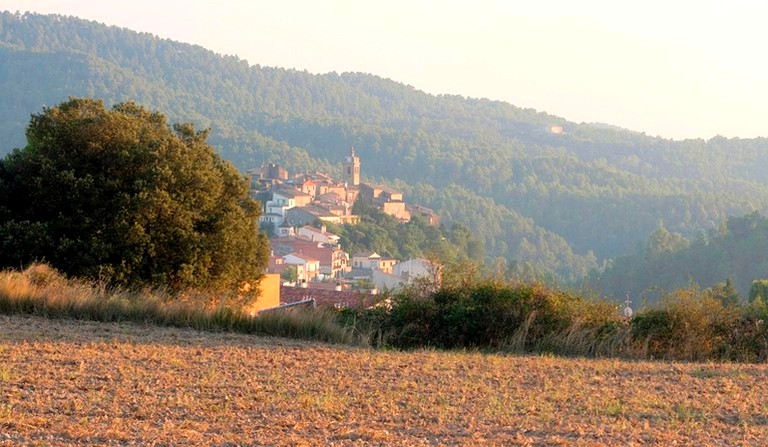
(546, 194)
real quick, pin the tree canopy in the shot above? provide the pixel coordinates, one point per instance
(118, 194)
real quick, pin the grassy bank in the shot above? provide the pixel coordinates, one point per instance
(40, 290)
(688, 324)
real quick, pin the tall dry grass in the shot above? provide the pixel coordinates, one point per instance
(688, 324)
(41, 290)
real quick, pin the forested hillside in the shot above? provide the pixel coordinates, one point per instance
(549, 202)
(735, 252)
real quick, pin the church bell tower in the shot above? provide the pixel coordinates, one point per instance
(352, 168)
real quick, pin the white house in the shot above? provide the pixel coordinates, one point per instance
(366, 260)
(274, 218)
(386, 281)
(311, 266)
(284, 199)
(415, 268)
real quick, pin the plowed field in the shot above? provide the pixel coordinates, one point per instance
(80, 383)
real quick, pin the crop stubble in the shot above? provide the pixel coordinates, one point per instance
(68, 382)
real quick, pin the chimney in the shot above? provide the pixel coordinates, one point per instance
(304, 284)
(338, 287)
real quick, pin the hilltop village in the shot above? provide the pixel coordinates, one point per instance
(295, 213)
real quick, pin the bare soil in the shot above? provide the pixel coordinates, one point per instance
(68, 382)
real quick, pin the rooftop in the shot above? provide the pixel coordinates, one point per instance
(326, 298)
(366, 254)
(289, 193)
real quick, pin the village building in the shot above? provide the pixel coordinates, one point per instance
(273, 218)
(316, 176)
(365, 260)
(397, 210)
(370, 261)
(386, 199)
(267, 175)
(314, 213)
(416, 268)
(277, 265)
(425, 213)
(285, 198)
(268, 294)
(386, 265)
(334, 262)
(386, 281)
(352, 168)
(404, 273)
(310, 266)
(330, 197)
(309, 187)
(285, 229)
(379, 193)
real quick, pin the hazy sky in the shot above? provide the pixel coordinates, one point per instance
(672, 68)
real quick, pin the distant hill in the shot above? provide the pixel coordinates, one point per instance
(544, 201)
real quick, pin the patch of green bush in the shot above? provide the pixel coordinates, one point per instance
(687, 324)
(487, 315)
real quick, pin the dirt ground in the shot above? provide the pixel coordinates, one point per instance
(82, 383)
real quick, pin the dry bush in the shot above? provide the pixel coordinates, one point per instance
(688, 324)
(43, 275)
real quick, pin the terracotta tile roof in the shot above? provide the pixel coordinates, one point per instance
(326, 298)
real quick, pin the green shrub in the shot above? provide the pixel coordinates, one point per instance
(748, 339)
(409, 323)
(489, 315)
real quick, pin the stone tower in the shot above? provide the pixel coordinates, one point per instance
(352, 168)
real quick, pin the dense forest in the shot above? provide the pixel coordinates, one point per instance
(552, 202)
(735, 252)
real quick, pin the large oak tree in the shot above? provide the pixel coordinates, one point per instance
(120, 195)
